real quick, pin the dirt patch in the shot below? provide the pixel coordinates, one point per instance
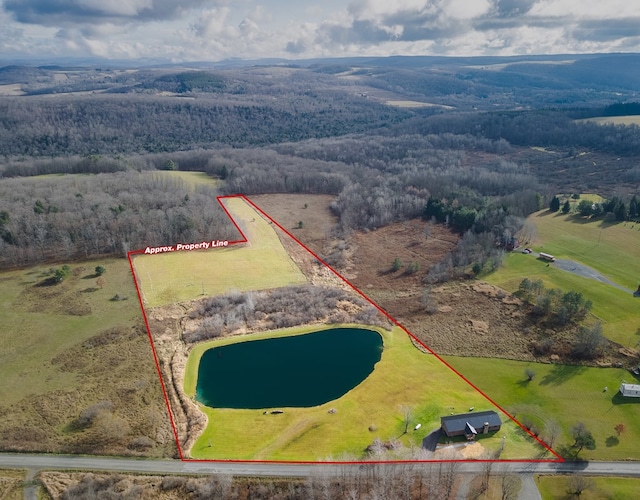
(373, 254)
(313, 211)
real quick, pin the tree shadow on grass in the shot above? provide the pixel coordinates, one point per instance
(561, 373)
(612, 441)
(47, 282)
(525, 382)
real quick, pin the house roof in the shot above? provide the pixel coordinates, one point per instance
(455, 423)
(629, 388)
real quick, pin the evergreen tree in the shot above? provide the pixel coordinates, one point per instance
(566, 208)
(554, 206)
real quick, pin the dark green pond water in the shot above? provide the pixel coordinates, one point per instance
(303, 370)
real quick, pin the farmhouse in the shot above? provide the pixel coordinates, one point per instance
(470, 424)
(630, 390)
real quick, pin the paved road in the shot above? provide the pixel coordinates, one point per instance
(78, 462)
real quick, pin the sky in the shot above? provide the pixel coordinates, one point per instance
(214, 30)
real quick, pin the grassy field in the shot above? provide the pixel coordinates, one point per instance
(614, 120)
(403, 377)
(179, 276)
(191, 179)
(565, 393)
(41, 322)
(619, 311)
(608, 248)
(68, 346)
(613, 488)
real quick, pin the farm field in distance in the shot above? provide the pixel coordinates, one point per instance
(614, 120)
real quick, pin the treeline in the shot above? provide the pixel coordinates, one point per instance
(376, 481)
(279, 308)
(532, 128)
(402, 176)
(616, 206)
(85, 216)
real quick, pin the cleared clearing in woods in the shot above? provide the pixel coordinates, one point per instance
(260, 264)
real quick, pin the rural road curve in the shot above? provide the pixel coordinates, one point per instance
(89, 463)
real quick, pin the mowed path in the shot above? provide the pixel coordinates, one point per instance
(259, 264)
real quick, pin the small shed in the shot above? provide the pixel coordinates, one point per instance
(470, 424)
(630, 390)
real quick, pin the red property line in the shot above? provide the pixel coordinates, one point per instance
(387, 315)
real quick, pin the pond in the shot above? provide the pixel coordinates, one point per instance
(297, 371)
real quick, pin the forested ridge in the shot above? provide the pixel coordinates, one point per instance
(131, 124)
(321, 129)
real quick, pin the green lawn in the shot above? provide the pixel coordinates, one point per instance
(619, 311)
(403, 377)
(261, 264)
(609, 247)
(40, 322)
(566, 393)
(614, 488)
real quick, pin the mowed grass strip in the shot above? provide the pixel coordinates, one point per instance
(567, 394)
(403, 377)
(260, 264)
(619, 311)
(621, 488)
(39, 323)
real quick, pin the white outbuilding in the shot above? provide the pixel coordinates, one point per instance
(630, 390)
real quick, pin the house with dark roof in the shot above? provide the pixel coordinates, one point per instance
(470, 424)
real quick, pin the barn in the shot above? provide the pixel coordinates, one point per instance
(470, 424)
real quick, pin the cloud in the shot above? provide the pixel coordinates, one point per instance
(183, 30)
(607, 29)
(67, 12)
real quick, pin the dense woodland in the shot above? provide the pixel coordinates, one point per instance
(65, 218)
(466, 162)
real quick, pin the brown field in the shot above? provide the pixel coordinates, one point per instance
(68, 351)
(472, 318)
(11, 484)
(289, 209)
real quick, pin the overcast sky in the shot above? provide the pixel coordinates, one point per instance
(201, 30)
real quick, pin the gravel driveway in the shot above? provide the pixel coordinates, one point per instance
(578, 269)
